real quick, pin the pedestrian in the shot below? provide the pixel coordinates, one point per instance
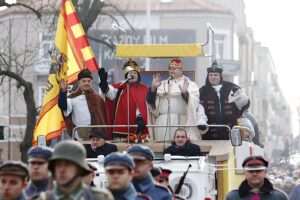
(13, 180)
(38, 160)
(119, 173)
(68, 165)
(142, 179)
(256, 186)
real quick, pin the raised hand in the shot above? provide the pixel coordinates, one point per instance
(63, 85)
(185, 86)
(102, 75)
(156, 81)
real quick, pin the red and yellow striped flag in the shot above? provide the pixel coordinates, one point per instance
(71, 41)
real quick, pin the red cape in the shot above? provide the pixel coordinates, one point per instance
(117, 109)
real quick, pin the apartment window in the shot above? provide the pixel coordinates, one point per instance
(46, 44)
(223, 45)
(41, 94)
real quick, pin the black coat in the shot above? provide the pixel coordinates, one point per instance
(187, 150)
(103, 150)
(266, 192)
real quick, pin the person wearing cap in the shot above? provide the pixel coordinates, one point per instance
(155, 172)
(142, 179)
(164, 178)
(83, 106)
(89, 179)
(256, 186)
(38, 159)
(182, 145)
(174, 101)
(223, 102)
(119, 172)
(68, 165)
(13, 180)
(117, 96)
(98, 146)
(295, 193)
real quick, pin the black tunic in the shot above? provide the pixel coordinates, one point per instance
(187, 150)
(102, 150)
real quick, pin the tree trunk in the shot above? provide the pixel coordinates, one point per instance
(31, 120)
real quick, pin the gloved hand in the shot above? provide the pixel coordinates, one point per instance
(202, 127)
(103, 80)
(234, 89)
(141, 124)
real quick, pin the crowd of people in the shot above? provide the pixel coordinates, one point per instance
(176, 101)
(65, 173)
(59, 174)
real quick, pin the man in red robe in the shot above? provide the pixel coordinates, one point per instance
(119, 109)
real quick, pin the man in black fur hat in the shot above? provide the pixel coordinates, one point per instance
(83, 106)
(223, 102)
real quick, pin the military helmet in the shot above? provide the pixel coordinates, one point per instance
(70, 150)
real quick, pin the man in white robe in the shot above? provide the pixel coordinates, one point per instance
(174, 102)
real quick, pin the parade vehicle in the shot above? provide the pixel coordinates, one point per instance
(210, 176)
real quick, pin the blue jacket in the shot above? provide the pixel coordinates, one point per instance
(33, 189)
(295, 194)
(130, 194)
(148, 187)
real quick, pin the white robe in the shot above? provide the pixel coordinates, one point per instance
(181, 113)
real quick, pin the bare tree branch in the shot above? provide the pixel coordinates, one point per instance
(102, 41)
(38, 14)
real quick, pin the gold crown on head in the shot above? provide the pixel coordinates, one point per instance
(131, 65)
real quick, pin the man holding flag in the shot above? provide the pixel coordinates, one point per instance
(72, 44)
(83, 107)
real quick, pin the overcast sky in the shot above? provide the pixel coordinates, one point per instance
(275, 24)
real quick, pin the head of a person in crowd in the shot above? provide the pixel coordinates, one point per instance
(119, 171)
(88, 179)
(175, 68)
(13, 179)
(255, 168)
(38, 159)
(164, 177)
(214, 74)
(289, 182)
(278, 183)
(85, 80)
(97, 138)
(155, 172)
(142, 157)
(180, 137)
(132, 69)
(68, 164)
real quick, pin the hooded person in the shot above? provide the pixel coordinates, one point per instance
(223, 102)
(174, 102)
(118, 106)
(83, 106)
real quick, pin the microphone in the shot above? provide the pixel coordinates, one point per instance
(129, 77)
(170, 78)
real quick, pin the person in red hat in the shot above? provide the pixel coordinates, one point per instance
(174, 101)
(256, 186)
(164, 178)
